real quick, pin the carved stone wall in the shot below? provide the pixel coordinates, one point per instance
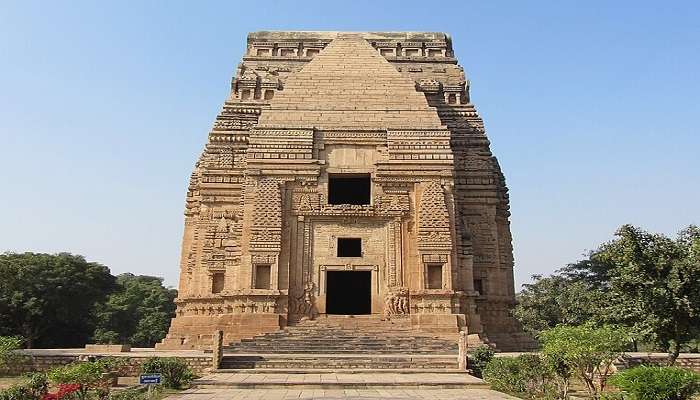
(305, 106)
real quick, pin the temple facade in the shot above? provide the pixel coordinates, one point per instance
(350, 174)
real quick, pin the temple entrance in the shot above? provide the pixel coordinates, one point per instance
(349, 292)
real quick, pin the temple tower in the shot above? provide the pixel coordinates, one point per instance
(347, 173)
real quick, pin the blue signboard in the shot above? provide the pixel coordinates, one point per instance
(149, 379)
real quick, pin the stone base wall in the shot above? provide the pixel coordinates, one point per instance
(196, 332)
(44, 363)
(444, 325)
(687, 360)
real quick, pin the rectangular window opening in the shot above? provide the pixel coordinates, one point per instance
(434, 275)
(349, 247)
(349, 189)
(434, 52)
(479, 286)
(262, 276)
(217, 282)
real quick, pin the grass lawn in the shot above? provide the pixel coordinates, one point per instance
(165, 393)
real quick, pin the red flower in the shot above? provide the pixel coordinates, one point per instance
(64, 390)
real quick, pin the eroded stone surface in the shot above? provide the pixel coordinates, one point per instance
(261, 236)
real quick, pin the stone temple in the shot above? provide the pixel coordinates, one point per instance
(349, 174)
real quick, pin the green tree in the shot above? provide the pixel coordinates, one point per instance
(48, 299)
(138, 312)
(644, 281)
(652, 281)
(558, 299)
(587, 351)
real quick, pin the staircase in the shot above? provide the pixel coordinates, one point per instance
(340, 343)
(340, 353)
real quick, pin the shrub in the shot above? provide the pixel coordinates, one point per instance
(128, 394)
(32, 389)
(8, 347)
(38, 384)
(586, 350)
(478, 358)
(176, 374)
(526, 375)
(17, 392)
(90, 375)
(657, 383)
(65, 392)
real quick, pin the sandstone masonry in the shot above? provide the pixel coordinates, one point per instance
(347, 173)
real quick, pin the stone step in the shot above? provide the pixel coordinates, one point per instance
(370, 339)
(311, 365)
(341, 370)
(303, 341)
(340, 380)
(338, 361)
(340, 346)
(339, 351)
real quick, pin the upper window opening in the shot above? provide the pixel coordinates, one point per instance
(262, 276)
(287, 52)
(349, 247)
(479, 286)
(217, 283)
(434, 52)
(349, 189)
(434, 273)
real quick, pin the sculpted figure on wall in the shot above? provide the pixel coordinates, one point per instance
(396, 301)
(304, 305)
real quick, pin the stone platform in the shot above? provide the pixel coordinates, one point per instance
(365, 394)
(342, 357)
(341, 380)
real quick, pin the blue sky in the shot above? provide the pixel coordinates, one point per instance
(591, 108)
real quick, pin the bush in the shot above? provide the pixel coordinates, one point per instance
(479, 358)
(176, 374)
(34, 388)
(65, 392)
(92, 376)
(657, 383)
(38, 384)
(17, 392)
(587, 350)
(526, 375)
(8, 347)
(129, 394)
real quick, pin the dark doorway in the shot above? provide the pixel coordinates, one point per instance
(348, 292)
(349, 189)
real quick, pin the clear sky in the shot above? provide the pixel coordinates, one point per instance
(591, 107)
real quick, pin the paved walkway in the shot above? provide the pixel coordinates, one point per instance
(378, 379)
(330, 394)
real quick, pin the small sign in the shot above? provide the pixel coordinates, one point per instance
(149, 379)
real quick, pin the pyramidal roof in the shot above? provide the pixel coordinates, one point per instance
(349, 85)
